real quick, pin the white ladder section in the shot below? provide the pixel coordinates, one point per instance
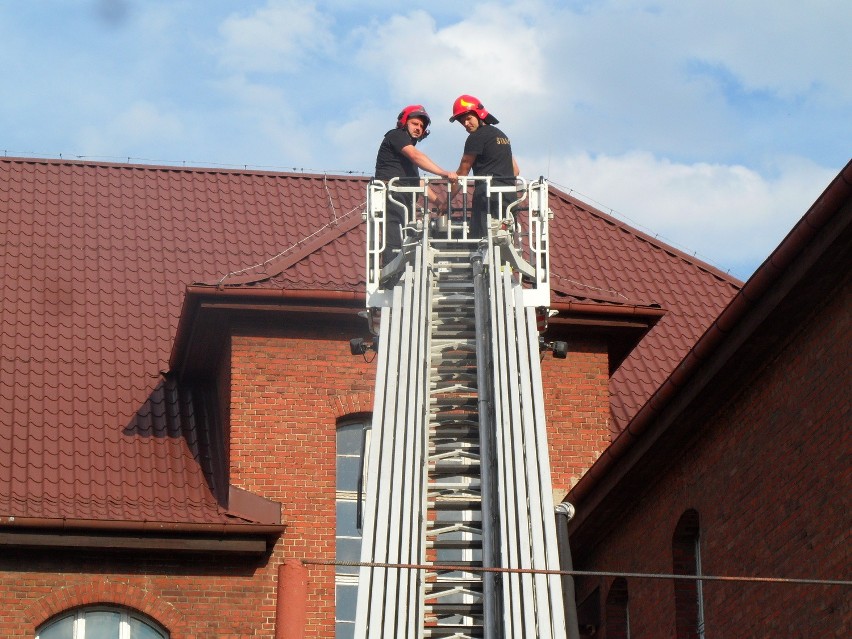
(454, 535)
(458, 475)
(532, 602)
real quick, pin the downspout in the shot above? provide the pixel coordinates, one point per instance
(291, 606)
(564, 513)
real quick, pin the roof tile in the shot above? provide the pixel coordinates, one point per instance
(95, 263)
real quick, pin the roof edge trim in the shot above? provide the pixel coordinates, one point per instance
(196, 295)
(98, 525)
(773, 268)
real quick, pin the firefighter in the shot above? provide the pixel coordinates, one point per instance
(398, 158)
(488, 152)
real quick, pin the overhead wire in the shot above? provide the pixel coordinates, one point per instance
(585, 573)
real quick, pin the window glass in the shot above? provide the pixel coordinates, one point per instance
(102, 625)
(348, 550)
(351, 443)
(59, 629)
(347, 598)
(344, 630)
(140, 630)
(686, 560)
(617, 615)
(347, 518)
(350, 439)
(348, 473)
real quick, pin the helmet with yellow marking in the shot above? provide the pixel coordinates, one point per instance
(469, 104)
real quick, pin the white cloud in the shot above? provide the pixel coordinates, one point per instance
(729, 215)
(141, 124)
(278, 37)
(782, 46)
(492, 53)
(682, 116)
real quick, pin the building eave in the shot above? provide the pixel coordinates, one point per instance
(775, 297)
(237, 537)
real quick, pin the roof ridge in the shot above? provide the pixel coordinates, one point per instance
(235, 169)
(654, 241)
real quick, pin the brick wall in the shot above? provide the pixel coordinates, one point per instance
(576, 399)
(288, 384)
(769, 478)
(195, 597)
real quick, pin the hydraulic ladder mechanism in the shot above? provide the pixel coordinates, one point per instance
(458, 518)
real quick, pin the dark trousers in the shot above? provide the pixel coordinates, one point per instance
(394, 215)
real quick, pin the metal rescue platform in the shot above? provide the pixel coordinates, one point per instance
(458, 518)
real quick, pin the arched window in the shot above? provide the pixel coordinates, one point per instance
(686, 560)
(617, 614)
(101, 622)
(353, 442)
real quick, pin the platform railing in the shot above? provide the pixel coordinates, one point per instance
(521, 228)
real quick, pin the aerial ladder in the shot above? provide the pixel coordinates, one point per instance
(459, 537)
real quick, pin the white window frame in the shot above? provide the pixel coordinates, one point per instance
(78, 630)
(350, 496)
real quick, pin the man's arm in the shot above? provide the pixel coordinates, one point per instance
(466, 164)
(422, 161)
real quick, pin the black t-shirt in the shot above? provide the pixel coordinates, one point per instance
(493, 153)
(390, 162)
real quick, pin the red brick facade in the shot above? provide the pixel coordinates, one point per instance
(769, 479)
(576, 400)
(290, 386)
(291, 381)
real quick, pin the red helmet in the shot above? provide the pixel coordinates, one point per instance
(413, 111)
(469, 104)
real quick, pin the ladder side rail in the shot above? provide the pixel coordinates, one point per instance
(505, 471)
(368, 540)
(550, 544)
(535, 514)
(513, 582)
(519, 517)
(488, 488)
(514, 495)
(373, 546)
(418, 549)
(398, 543)
(379, 624)
(401, 509)
(412, 532)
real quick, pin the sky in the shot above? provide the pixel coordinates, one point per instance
(710, 124)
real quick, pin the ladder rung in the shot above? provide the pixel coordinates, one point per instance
(454, 469)
(473, 609)
(456, 504)
(455, 544)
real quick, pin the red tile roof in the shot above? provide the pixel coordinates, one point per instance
(95, 262)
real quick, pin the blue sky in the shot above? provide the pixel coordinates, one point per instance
(712, 124)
